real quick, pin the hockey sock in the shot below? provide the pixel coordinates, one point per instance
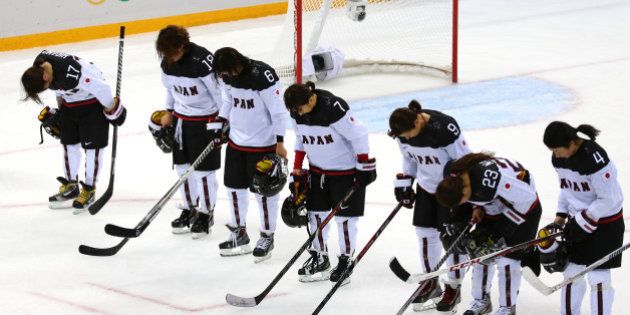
(430, 247)
(482, 276)
(573, 293)
(93, 165)
(347, 228)
(456, 277)
(188, 190)
(207, 187)
(315, 218)
(71, 161)
(509, 280)
(268, 212)
(602, 293)
(238, 206)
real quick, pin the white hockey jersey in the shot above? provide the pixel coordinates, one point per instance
(503, 186)
(76, 80)
(253, 104)
(330, 134)
(192, 89)
(589, 189)
(425, 155)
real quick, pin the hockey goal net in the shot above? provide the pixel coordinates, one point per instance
(396, 36)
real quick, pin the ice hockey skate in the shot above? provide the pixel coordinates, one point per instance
(315, 268)
(506, 310)
(480, 307)
(237, 243)
(85, 198)
(181, 225)
(342, 265)
(201, 224)
(450, 298)
(68, 191)
(263, 249)
(428, 297)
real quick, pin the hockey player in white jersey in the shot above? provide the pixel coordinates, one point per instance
(427, 140)
(252, 103)
(85, 107)
(192, 103)
(506, 191)
(337, 147)
(591, 199)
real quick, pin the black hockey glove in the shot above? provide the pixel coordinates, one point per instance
(576, 229)
(163, 136)
(366, 172)
(218, 129)
(117, 114)
(531, 259)
(50, 119)
(448, 235)
(403, 190)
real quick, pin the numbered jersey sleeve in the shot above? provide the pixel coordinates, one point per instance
(252, 102)
(505, 186)
(192, 88)
(350, 128)
(588, 182)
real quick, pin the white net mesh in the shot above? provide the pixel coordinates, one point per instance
(396, 36)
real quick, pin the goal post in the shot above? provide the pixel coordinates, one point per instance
(411, 36)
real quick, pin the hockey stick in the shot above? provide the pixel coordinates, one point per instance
(95, 207)
(253, 301)
(448, 253)
(530, 277)
(144, 223)
(416, 278)
(367, 246)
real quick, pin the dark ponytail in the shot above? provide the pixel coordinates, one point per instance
(297, 95)
(559, 134)
(450, 191)
(33, 81)
(403, 119)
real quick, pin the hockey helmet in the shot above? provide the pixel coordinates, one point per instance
(294, 214)
(270, 175)
(554, 255)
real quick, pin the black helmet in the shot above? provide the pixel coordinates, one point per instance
(270, 175)
(294, 215)
(553, 253)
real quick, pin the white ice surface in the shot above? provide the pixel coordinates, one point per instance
(580, 45)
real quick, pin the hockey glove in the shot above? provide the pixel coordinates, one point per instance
(403, 190)
(163, 136)
(448, 235)
(50, 119)
(531, 259)
(579, 227)
(218, 129)
(366, 172)
(117, 114)
(298, 185)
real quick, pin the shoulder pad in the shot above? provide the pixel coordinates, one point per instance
(261, 76)
(484, 179)
(66, 69)
(588, 159)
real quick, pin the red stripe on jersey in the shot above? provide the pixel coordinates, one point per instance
(271, 148)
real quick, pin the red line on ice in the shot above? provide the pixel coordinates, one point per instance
(66, 302)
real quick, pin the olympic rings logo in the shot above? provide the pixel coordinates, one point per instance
(97, 2)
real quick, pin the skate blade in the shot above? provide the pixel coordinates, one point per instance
(197, 236)
(421, 307)
(320, 276)
(236, 251)
(262, 258)
(58, 205)
(80, 210)
(178, 231)
(345, 281)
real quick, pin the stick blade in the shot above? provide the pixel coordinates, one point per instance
(398, 269)
(240, 301)
(97, 205)
(535, 282)
(101, 252)
(115, 230)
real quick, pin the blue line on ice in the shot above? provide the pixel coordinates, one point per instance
(487, 104)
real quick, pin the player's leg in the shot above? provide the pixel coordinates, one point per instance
(237, 185)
